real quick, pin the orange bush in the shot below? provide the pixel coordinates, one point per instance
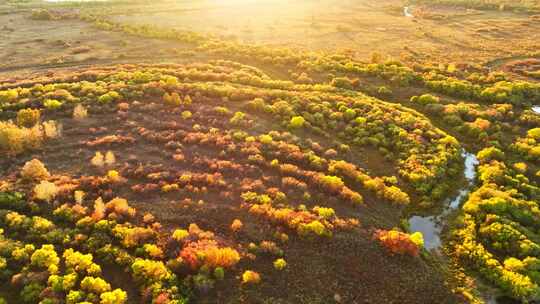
(397, 242)
(120, 207)
(99, 210)
(208, 253)
(221, 257)
(236, 225)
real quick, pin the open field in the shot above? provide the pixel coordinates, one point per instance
(269, 152)
(361, 28)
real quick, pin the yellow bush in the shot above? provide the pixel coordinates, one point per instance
(521, 167)
(117, 296)
(51, 129)
(153, 251)
(297, 122)
(79, 196)
(110, 159)
(95, 285)
(180, 234)
(80, 112)
(172, 99)
(34, 170)
(418, 239)
(280, 264)
(186, 114)
(15, 140)
(28, 117)
(46, 258)
(236, 225)
(120, 206)
(131, 237)
(9, 96)
(250, 277)
(45, 191)
(113, 176)
(98, 160)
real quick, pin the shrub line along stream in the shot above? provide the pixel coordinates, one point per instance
(431, 226)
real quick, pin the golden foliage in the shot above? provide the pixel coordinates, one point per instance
(80, 112)
(99, 209)
(34, 170)
(28, 117)
(45, 191)
(15, 139)
(110, 159)
(97, 160)
(120, 206)
(236, 225)
(251, 277)
(51, 129)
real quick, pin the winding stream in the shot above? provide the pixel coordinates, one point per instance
(431, 226)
